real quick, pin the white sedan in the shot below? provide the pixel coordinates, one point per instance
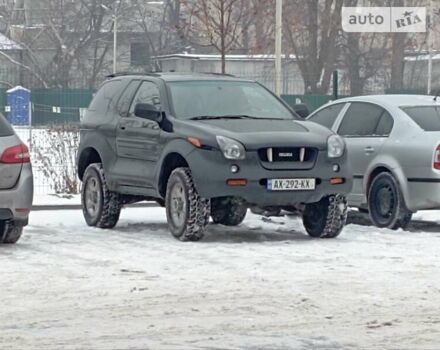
(393, 144)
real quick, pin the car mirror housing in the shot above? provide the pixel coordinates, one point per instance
(147, 111)
(302, 110)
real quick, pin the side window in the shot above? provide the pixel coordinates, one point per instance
(126, 98)
(147, 93)
(106, 97)
(385, 124)
(361, 119)
(327, 116)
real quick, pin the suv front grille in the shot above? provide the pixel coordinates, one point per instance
(287, 154)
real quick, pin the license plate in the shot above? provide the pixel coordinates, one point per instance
(291, 184)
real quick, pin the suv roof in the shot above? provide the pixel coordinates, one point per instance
(177, 76)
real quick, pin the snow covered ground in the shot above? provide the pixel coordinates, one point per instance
(262, 285)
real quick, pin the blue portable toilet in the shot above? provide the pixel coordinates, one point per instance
(19, 106)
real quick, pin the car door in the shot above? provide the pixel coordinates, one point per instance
(365, 127)
(138, 139)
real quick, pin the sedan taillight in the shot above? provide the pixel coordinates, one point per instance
(436, 163)
(16, 155)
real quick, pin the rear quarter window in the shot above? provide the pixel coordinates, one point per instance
(5, 127)
(107, 96)
(427, 117)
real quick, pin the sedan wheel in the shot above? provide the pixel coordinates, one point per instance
(386, 203)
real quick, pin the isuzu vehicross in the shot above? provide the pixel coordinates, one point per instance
(206, 145)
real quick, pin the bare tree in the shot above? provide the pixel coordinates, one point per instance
(217, 23)
(62, 40)
(312, 29)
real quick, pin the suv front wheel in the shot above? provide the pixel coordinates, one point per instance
(326, 218)
(101, 207)
(228, 211)
(187, 212)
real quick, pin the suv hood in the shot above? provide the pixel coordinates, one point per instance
(255, 134)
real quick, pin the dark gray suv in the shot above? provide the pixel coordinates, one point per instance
(206, 145)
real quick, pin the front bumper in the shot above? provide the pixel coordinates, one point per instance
(15, 203)
(211, 171)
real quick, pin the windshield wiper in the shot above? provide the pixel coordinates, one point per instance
(213, 117)
(229, 116)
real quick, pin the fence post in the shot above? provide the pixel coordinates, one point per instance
(335, 85)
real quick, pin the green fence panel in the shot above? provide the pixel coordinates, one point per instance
(59, 106)
(313, 102)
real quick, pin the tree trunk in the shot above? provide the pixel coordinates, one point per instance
(397, 60)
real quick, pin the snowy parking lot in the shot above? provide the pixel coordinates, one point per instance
(264, 284)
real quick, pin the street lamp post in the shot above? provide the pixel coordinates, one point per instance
(430, 32)
(278, 45)
(115, 33)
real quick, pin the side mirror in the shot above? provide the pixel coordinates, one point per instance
(302, 110)
(147, 111)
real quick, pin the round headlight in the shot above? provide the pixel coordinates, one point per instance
(231, 149)
(335, 146)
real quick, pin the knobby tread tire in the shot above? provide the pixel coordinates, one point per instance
(332, 211)
(228, 211)
(199, 208)
(111, 201)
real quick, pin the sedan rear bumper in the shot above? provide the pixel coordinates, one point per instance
(423, 194)
(15, 203)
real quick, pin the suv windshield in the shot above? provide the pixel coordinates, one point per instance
(5, 128)
(225, 99)
(427, 117)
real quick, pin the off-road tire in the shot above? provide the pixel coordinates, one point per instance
(197, 209)
(10, 232)
(111, 202)
(326, 218)
(228, 211)
(398, 216)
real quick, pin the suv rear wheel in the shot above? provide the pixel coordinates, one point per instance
(386, 204)
(10, 232)
(326, 218)
(101, 207)
(228, 211)
(187, 212)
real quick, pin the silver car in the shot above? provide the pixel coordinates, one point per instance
(393, 144)
(16, 184)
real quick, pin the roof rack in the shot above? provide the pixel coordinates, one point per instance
(122, 74)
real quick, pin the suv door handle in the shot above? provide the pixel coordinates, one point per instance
(122, 127)
(369, 149)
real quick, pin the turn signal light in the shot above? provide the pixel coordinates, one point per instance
(195, 142)
(236, 182)
(337, 180)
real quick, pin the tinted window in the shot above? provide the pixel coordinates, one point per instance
(106, 97)
(5, 128)
(328, 115)
(147, 93)
(385, 124)
(361, 119)
(126, 98)
(427, 117)
(223, 98)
